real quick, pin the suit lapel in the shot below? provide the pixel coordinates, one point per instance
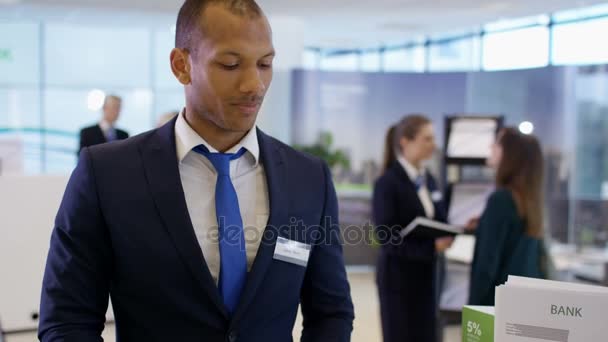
(273, 160)
(162, 173)
(100, 136)
(410, 187)
(438, 204)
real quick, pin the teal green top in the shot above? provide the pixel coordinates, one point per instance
(501, 249)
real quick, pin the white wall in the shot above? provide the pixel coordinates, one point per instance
(28, 206)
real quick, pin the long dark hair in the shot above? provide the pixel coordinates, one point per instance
(521, 171)
(408, 127)
(389, 151)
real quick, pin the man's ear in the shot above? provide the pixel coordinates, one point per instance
(180, 65)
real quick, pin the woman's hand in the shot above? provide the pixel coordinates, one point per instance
(471, 225)
(443, 243)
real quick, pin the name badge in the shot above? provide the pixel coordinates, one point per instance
(293, 252)
(436, 196)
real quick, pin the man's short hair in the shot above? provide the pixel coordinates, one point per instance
(191, 13)
(111, 97)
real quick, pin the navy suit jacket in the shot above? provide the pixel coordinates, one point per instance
(406, 266)
(395, 205)
(123, 229)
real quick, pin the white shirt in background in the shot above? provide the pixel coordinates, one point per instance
(105, 127)
(423, 192)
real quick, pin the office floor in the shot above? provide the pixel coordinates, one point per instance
(367, 322)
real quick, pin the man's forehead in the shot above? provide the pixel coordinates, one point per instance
(234, 40)
(215, 15)
(241, 11)
(112, 101)
(218, 21)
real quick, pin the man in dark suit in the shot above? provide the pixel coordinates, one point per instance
(212, 230)
(104, 131)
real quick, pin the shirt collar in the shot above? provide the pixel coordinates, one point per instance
(186, 139)
(410, 169)
(104, 125)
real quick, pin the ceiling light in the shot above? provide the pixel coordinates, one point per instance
(526, 127)
(95, 99)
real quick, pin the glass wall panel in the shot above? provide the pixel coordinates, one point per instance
(97, 56)
(163, 76)
(518, 49)
(580, 13)
(20, 121)
(509, 24)
(455, 55)
(341, 62)
(589, 189)
(310, 59)
(405, 59)
(371, 61)
(579, 43)
(19, 53)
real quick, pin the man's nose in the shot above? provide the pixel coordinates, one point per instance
(252, 82)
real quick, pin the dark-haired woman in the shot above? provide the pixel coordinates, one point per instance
(405, 272)
(509, 233)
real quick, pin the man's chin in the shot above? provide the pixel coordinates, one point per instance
(243, 124)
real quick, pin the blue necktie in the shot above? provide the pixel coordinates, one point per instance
(419, 182)
(111, 134)
(233, 256)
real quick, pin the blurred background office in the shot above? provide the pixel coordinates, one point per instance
(345, 71)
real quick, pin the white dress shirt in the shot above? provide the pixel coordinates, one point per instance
(423, 191)
(199, 177)
(105, 127)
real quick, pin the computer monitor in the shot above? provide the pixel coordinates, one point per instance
(470, 138)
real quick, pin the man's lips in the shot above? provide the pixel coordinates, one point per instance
(248, 107)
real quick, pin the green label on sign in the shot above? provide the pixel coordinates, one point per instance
(5, 55)
(477, 324)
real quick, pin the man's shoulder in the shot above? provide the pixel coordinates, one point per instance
(122, 148)
(122, 131)
(90, 128)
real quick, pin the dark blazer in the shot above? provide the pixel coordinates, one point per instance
(502, 248)
(93, 135)
(128, 234)
(395, 205)
(406, 267)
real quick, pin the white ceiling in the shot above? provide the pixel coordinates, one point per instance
(329, 23)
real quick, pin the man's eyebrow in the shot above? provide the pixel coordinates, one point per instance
(236, 54)
(231, 53)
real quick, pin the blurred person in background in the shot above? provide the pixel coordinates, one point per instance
(406, 266)
(105, 130)
(509, 234)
